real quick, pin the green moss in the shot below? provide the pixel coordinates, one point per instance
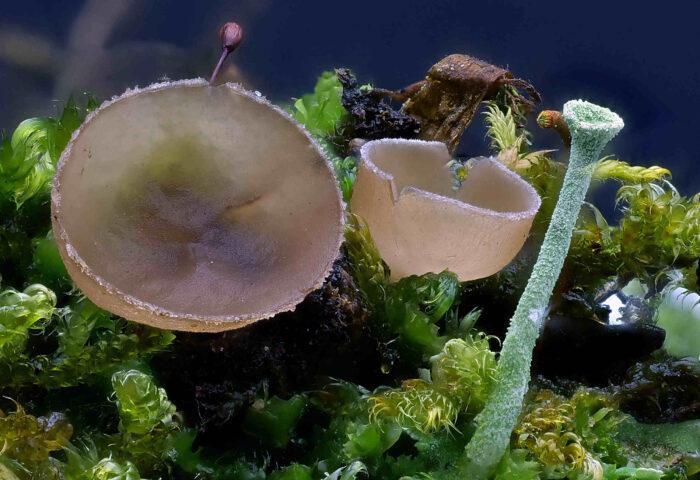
(682, 437)
(273, 421)
(28, 440)
(21, 312)
(28, 158)
(91, 342)
(610, 168)
(320, 111)
(659, 232)
(682, 326)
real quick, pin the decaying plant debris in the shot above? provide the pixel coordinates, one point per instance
(373, 118)
(449, 98)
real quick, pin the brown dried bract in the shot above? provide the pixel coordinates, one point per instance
(555, 120)
(447, 100)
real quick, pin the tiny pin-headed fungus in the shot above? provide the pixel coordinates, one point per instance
(198, 208)
(420, 224)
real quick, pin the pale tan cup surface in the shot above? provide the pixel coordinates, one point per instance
(197, 208)
(420, 224)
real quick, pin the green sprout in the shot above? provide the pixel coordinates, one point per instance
(408, 310)
(90, 340)
(592, 127)
(566, 434)
(147, 417)
(86, 463)
(108, 469)
(417, 405)
(512, 142)
(609, 167)
(272, 421)
(657, 238)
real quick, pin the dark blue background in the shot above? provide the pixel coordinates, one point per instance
(638, 58)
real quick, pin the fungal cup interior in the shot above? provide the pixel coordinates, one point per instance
(420, 224)
(426, 169)
(195, 207)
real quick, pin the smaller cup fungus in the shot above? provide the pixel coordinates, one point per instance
(420, 224)
(193, 207)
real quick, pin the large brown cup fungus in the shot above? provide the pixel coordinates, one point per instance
(420, 224)
(196, 208)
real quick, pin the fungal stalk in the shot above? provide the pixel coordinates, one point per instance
(231, 36)
(592, 127)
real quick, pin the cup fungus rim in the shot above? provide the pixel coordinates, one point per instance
(159, 316)
(411, 191)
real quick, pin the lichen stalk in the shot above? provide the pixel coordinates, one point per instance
(592, 127)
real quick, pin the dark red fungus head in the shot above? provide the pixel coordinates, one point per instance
(231, 36)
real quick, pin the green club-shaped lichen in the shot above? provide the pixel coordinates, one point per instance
(592, 127)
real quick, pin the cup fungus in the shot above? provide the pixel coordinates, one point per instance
(420, 224)
(198, 208)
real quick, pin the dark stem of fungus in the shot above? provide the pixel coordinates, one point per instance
(231, 36)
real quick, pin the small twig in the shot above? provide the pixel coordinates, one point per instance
(407, 93)
(231, 36)
(516, 101)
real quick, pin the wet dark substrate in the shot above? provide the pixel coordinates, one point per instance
(578, 346)
(212, 378)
